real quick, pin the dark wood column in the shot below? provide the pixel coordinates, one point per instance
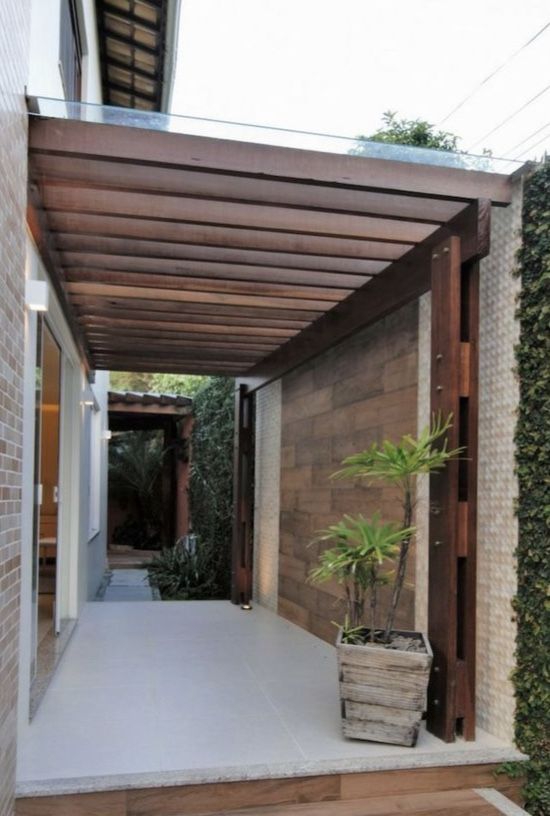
(243, 496)
(453, 499)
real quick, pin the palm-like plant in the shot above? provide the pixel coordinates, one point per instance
(361, 546)
(396, 464)
(136, 460)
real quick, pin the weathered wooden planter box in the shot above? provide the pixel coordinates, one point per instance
(383, 692)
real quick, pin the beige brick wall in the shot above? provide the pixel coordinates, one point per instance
(363, 390)
(14, 32)
(497, 486)
(267, 494)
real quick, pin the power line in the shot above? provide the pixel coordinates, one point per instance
(527, 138)
(530, 148)
(493, 73)
(508, 118)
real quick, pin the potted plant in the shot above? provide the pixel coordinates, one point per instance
(383, 672)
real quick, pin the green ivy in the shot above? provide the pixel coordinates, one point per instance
(211, 484)
(532, 603)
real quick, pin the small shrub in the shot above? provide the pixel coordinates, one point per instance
(183, 575)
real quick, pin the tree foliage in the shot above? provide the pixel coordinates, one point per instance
(412, 132)
(532, 603)
(186, 385)
(211, 484)
(136, 460)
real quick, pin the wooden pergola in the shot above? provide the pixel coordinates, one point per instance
(190, 254)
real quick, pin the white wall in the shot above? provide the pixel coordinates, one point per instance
(82, 556)
(44, 72)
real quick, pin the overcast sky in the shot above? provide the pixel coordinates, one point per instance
(335, 66)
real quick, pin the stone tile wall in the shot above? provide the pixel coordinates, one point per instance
(497, 483)
(363, 390)
(14, 33)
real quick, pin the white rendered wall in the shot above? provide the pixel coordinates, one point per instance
(45, 77)
(267, 495)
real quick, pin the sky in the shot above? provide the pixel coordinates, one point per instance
(334, 66)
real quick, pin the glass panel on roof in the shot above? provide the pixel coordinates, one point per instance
(259, 134)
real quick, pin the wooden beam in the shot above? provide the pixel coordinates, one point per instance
(209, 270)
(185, 283)
(243, 499)
(260, 191)
(187, 323)
(163, 349)
(443, 535)
(95, 141)
(158, 294)
(467, 587)
(215, 256)
(403, 281)
(285, 318)
(227, 237)
(453, 495)
(148, 410)
(102, 333)
(231, 214)
(241, 351)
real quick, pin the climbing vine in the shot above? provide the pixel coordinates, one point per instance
(211, 484)
(532, 603)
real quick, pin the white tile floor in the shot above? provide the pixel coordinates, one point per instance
(205, 691)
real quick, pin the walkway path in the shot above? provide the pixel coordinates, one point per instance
(129, 585)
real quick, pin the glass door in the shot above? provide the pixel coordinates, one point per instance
(46, 510)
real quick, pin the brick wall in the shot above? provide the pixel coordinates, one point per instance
(266, 499)
(363, 390)
(14, 32)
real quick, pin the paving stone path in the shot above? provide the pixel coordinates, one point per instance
(129, 585)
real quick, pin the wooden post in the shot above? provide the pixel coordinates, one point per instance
(184, 428)
(452, 538)
(243, 500)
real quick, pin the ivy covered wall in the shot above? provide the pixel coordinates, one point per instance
(532, 604)
(211, 484)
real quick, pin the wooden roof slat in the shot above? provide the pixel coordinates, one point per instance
(185, 283)
(154, 332)
(132, 42)
(106, 341)
(175, 181)
(249, 216)
(225, 237)
(219, 310)
(190, 254)
(106, 290)
(165, 149)
(214, 256)
(401, 283)
(164, 321)
(199, 353)
(210, 271)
